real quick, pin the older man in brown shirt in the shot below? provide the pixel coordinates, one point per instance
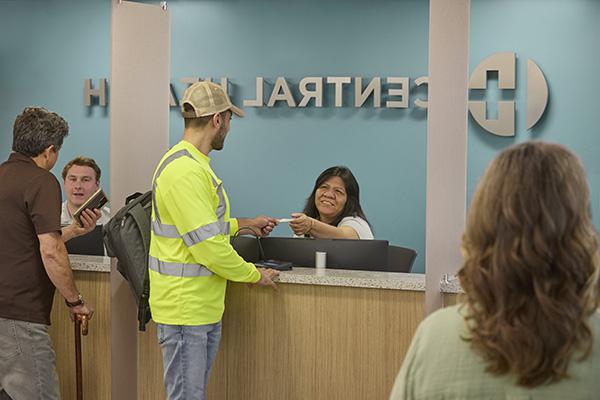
(33, 259)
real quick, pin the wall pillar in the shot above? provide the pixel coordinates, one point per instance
(139, 136)
(446, 142)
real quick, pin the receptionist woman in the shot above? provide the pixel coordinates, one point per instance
(333, 208)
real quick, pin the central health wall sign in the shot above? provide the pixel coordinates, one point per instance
(388, 92)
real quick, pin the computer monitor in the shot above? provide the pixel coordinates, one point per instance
(368, 255)
(246, 247)
(90, 244)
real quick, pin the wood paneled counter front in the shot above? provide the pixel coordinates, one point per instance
(340, 335)
(333, 335)
(93, 280)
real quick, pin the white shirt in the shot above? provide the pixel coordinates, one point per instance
(362, 228)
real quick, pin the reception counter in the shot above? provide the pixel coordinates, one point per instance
(336, 335)
(93, 280)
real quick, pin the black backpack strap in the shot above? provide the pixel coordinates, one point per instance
(132, 197)
(144, 305)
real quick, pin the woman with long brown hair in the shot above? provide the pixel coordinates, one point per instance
(528, 325)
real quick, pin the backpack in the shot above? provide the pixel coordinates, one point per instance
(127, 237)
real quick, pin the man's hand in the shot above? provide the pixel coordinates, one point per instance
(264, 224)
(88, 220)
(81, 312)
(266, 277)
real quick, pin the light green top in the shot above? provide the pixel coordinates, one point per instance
(440, 365)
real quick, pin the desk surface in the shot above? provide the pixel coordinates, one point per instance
(352, 278)
(310, 276)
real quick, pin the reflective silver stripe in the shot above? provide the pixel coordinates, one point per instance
(201, 234)
(167, 161)
(197, 235)
(225, 228)
(205, 232)
(177, 269)
(160, 229)
(221, 207)
(220, 211)
(165, 230)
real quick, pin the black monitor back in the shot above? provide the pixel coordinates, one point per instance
(90, 244)
(369, 255)
(246, 247)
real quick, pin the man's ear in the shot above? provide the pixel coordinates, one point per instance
(48, 150)
(216, 120)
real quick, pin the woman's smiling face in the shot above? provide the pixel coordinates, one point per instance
(330, 198)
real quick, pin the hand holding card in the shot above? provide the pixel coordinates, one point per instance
(97, 200)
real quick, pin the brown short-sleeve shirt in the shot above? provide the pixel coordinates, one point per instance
(30, 204)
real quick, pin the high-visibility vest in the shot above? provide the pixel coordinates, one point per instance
(191, 257)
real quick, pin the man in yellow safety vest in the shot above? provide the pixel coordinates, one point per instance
(191, 258)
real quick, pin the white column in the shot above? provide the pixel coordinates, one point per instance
(446, 142)
(139, 136)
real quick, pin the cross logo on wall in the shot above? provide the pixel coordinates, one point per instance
(505, 65)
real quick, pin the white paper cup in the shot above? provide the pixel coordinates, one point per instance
(320, 262)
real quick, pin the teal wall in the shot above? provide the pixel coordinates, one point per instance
(47, 49)
(273, 156)
(562, 38)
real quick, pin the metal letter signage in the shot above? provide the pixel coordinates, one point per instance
(89, 93)
(312, 88)
(537, 93)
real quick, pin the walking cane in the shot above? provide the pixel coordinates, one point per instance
(81, 328)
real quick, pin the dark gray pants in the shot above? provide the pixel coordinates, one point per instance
(27, 362)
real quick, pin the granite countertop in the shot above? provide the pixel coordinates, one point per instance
(450, 284)
(306, 276)
(351, 278)
(90, 263)
(311, 276)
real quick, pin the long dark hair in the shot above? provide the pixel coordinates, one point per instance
(531, 271)
(352, 206)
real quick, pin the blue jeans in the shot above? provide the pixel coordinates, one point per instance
(27, 369)
(188, 354)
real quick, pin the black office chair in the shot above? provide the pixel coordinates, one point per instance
(400, 259)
